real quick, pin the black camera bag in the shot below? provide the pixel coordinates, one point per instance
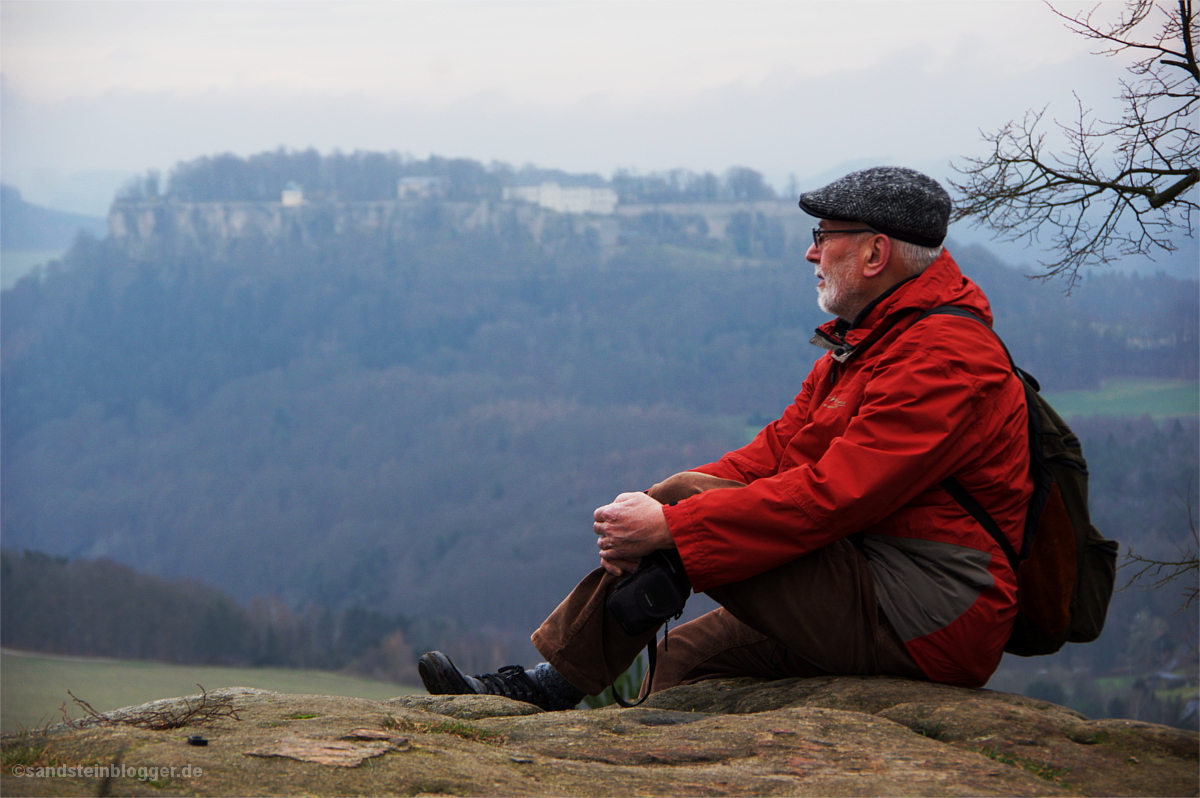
(651, 595)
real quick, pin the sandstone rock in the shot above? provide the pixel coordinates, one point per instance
(1095, 757)
(323, 752)
(826, 737)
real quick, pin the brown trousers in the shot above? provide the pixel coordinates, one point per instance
(812, 616)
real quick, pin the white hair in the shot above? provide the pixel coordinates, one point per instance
(914, 258)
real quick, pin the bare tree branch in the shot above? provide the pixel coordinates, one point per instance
(1157, 573)
(1117, 188)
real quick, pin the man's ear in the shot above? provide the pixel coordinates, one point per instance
(877, 256)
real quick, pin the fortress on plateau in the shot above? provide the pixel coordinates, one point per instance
(549, 213)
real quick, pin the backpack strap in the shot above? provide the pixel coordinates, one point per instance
(964, 497)
(952, 485)
(954, 310)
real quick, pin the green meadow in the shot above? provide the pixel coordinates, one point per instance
(1131, 397)
(33, 687)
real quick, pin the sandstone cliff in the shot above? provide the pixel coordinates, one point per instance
(217, 228)
(825, 737)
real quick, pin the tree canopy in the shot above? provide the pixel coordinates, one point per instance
(1119, 187)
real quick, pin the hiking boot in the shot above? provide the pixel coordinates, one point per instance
(442, 678)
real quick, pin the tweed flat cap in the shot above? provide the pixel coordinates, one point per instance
(898, 202)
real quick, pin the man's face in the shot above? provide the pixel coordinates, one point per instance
(840, 287)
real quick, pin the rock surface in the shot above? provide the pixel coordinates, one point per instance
(821, 737)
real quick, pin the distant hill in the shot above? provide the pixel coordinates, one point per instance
(27, 227)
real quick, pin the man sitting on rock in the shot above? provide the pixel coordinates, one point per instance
(827, 540)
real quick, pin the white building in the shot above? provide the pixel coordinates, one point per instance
(293, 195)
(569, 199)
(419, 187)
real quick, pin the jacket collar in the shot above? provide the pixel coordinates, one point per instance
(866, 312)
(943, 283)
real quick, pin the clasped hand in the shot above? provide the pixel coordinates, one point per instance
(629, 528)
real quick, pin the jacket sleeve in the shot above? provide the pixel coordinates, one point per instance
(914, 426)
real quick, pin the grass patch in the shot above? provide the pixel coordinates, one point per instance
(1043, 770)
(27, 749)
(456, 728)
(303, 716)
(1096, 738)
(1114, 684)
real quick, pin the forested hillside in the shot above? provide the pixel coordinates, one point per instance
(100, 608)
(423, 427)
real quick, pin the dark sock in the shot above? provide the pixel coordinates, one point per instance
(562, 694)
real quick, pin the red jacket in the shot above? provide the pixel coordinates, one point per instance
(862, 450)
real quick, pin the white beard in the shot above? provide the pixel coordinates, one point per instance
(837, 298)
(829, 298)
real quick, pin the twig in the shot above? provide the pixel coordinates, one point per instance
(204, 710)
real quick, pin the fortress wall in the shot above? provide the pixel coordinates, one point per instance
(214, 226)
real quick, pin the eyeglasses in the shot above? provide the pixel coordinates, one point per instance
(818, 233)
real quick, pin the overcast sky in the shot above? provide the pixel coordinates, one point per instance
(783, 87)
(97, 90)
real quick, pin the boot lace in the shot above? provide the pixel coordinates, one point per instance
(513, 682)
